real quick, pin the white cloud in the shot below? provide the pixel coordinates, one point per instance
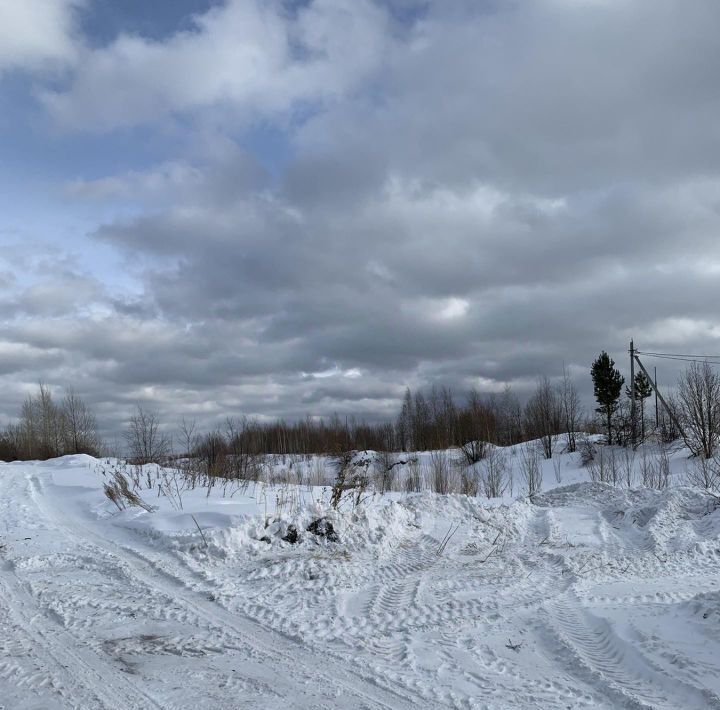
(484, 196)
(36, 34)
(454, 308)
(172, 175)
(248, 56)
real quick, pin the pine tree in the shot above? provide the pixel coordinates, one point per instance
(607, 386)
(643, 389)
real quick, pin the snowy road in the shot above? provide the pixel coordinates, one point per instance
(77, 608)
(589, 598)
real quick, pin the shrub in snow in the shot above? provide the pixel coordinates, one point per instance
(704, 473)
(117, 489)
(439, 472)
(494, 472)
(587, 451)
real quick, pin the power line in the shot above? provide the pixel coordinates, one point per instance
(682, 359)
(709, 359)
(683, 355)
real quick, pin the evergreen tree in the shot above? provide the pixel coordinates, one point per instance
(643, 389)
(607, 386)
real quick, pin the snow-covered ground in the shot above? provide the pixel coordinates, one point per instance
(590, 596)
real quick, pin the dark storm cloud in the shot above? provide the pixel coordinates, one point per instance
(468, 194)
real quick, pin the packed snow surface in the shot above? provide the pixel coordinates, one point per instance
(588, 596)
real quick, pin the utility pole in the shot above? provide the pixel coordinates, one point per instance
(632, 393)
(657, 423)
(669, 411)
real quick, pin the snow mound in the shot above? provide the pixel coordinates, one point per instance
(223, 536)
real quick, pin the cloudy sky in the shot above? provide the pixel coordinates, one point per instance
(281, 207)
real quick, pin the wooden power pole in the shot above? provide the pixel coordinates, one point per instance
(632, 394)
(653, 382)
(657, 423)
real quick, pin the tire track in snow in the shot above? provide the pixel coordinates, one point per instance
(511, 581)
(87, 681)
(398, 585)
(591, 641)
(25, 669)
(72, 673)
(331, 671)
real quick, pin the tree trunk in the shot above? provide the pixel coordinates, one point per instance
(609, 423)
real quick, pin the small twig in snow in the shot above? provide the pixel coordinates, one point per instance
(447, 538)
(202, 534)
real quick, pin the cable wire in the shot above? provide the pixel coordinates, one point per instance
(709, 359)
(678, 357)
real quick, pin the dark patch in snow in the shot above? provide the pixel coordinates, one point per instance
(322, 527)
(291, 535)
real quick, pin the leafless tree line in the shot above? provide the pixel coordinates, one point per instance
(428, 421)
(473, 429)
(46, 429)
(435, 421)
(432, 421)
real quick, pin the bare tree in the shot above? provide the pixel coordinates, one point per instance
(444, 417)
(698, 398)
(571, 409)
(530, 469)
(662, 477)
(469, 483)
(557, 468)
(510, 478)
(704, 473)
(614, 469)
(588, 450)
(477, 423)
(384, 466)
(50, 422)
(415, 477)
(627, 464)
(145, 442)
(494, 471)
(30, 430)
(666, 424)
(212, 454)
(655, 470)
(318, 474)
(510, 420)
(439, 472)
(404, 425)
(606, 467)
(188, 437)
(598, 466)
(41, 426)
(244, 459)
(543, 415)
(11, 443)
(79, 426)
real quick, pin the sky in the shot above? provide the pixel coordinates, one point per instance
(299, 207)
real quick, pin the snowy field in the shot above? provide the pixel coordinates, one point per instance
(589, 596)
